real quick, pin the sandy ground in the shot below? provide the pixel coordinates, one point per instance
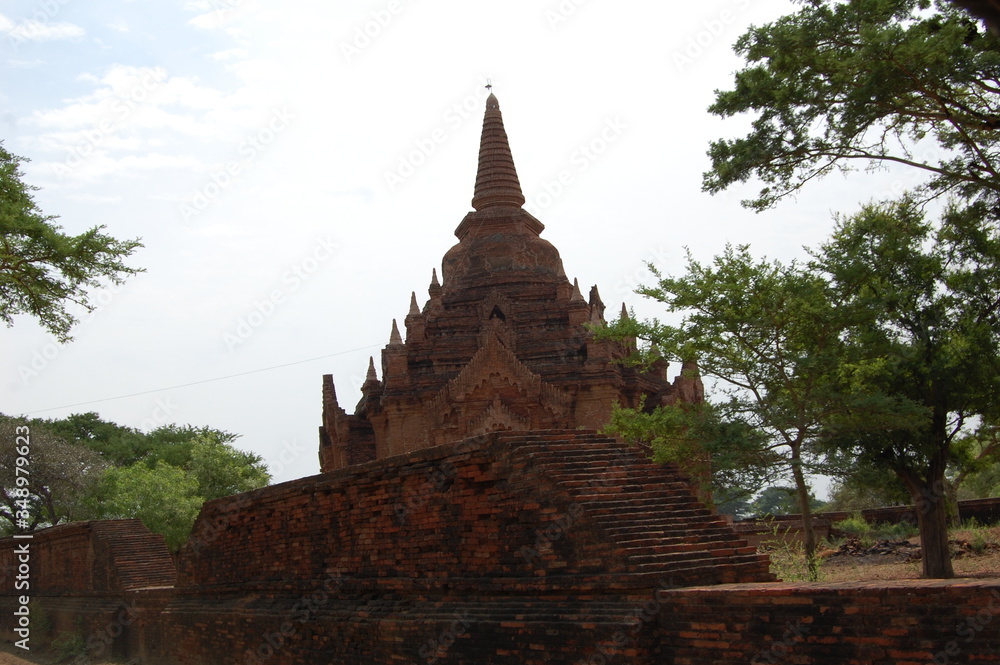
(9, 659)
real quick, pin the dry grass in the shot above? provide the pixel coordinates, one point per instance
(975, 553)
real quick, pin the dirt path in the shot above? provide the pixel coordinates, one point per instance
(10, 659)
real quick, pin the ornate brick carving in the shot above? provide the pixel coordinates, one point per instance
(502, 342)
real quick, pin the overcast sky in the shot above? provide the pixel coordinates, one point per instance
(295, 170)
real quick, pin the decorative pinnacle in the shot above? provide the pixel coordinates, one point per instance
(371, 370)
(625, 316)
(496, 180)
(577, 296)
(414, 308)
(394, 337)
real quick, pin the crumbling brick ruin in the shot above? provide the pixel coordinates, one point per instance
(469, 513)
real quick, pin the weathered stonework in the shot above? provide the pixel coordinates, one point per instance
(465, 517)
(501, 345)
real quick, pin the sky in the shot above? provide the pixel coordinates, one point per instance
(296, 170)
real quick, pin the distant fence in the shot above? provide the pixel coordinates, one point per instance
(984, 511)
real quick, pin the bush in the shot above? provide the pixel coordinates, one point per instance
(858, 527)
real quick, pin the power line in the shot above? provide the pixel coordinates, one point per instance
(198, 383)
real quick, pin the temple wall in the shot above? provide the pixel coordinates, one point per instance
(903, 622)
(509, 548)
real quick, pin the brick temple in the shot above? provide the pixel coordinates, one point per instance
(469, 514)
(502, 344)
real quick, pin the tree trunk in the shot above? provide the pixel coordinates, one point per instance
(807, 522)
(930, 504)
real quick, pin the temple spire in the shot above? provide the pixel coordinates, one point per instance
(394, 337)
(496, 181)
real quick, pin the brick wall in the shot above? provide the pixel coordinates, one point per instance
(507, 548)
(912, 622)
(81, 576)
(530, 548)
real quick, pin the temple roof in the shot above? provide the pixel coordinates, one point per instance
(496, 180)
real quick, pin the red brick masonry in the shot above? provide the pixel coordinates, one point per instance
(529, 548)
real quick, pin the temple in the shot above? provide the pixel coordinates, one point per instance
(502, 344)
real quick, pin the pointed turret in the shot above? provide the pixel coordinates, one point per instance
(372, 376)
(596, 304)
(414, 307)
(577, 296)
(395, 339)
(496, 181)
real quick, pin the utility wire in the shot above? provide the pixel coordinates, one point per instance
(198, 383)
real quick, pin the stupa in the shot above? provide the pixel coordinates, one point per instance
(505, 341)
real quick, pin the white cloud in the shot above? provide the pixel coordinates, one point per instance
(32, 30)
(229, 54)
(120, 26)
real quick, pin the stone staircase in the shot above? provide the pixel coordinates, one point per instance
(648, 510)
(140, 558)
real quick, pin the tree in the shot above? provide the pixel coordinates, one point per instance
(767, 333)
(116, 444)
(164, 497)
(101, 470)
(727, 460)
(979, 477)
(42, 270)
(46, 480)
(781, 500)
(880, 83)
(864, 487)
(921, 354)
(874, 82)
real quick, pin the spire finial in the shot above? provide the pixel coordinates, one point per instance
(577, 296)
(489, 85)
(414, 308)
(394, 337)
(371, 370)
(496, 180)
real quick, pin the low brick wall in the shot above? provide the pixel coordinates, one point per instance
(517, 549)
(757, 532)
(79, 579)
(524, 548)
(912, 622)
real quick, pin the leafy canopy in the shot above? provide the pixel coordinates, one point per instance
(864, 82)
(43, 272)
(83, 467)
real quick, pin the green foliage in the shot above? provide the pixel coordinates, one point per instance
(864, 82)
(41, 622)
(60, 477)
(87, 468)
(221, 470)
(701, 443)
(165, 498)
(869, 534)
(980, 537)
(976, 462)
(922, 336)
(867, 487)
(42, 270)
(789, 560)
(913, 307)
(69, 645)
(767, 331)
(781, 500)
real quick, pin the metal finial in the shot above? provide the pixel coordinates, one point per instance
(489, 85)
